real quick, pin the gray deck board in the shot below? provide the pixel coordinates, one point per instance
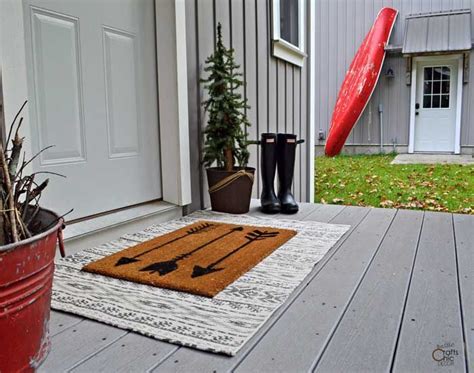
(365, 339)
(377, 278)
(432, 316)
(326, 212)
(464, 236)
(304, 329)
(131, 353)
(60, 321)
(75, 344)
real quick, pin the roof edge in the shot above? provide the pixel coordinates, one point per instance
(440, 13)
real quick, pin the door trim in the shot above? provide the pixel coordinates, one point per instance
(414, 83)
(170, 26)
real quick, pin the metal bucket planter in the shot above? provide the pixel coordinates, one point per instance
(230, 191)
(26, 275)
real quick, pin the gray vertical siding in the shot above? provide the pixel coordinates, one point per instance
(276, 91)
(341, 26)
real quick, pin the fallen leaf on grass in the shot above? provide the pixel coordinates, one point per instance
(386, 203)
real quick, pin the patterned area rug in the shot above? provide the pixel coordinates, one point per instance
(202, 258)
(221, 324)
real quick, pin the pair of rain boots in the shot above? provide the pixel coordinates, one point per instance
(278, 149)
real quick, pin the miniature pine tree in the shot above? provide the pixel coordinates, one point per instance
(225, 135)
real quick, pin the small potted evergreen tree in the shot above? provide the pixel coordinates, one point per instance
(225, 145)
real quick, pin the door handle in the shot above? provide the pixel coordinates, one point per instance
(416, 113)
(417, 106)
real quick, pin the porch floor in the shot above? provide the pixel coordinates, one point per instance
(394, 292)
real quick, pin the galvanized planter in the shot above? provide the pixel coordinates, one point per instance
(26, 275)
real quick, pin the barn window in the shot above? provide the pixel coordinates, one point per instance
(289, 30)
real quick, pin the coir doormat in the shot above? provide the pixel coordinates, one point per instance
(201, 258)
(222, 324)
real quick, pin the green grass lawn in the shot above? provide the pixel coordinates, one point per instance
(370, 180)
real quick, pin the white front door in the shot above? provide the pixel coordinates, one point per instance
(436, 105)
(93, 95)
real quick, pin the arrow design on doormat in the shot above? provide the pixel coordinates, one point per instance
(168, 266)
(204, 227)
(253, 236)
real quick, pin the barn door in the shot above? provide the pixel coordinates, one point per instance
(93, 95)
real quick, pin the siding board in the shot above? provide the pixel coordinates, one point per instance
(205, 11)
(281, 97)
(297, 128)
(289, 98)
(305, 126)
(263, 52)
(251, 87)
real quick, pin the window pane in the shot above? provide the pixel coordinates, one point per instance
(445, 86)
(436, 101)
(289, 21)
(445, 101)
(436, 87)
(446, 71)
(426, 101)
(428, 73)
(427, 88)
(437, 73)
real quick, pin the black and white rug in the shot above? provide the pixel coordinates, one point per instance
(221, 324)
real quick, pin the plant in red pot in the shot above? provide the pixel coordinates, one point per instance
(28, 236)
(225, 145)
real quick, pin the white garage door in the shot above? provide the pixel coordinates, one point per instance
(93, 95)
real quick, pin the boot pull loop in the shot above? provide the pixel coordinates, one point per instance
(294, 141)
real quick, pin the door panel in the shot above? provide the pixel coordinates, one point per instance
(58, 84)
(435, 111)
(121, 94)
(93, 94)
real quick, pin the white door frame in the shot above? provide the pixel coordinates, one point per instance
(414, 83)
(173, 117)
(311, 126)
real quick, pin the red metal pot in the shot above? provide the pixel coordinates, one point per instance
(26, 276)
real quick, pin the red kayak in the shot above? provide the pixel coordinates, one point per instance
(360, 81)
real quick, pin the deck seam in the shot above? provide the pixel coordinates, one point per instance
(302, 287)
(67, 328)
(407, 293)
(165, 357)
(316, 361)
(88, 357)
(461, 309)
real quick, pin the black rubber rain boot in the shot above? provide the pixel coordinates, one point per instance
(286, 166)
(269, 201)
